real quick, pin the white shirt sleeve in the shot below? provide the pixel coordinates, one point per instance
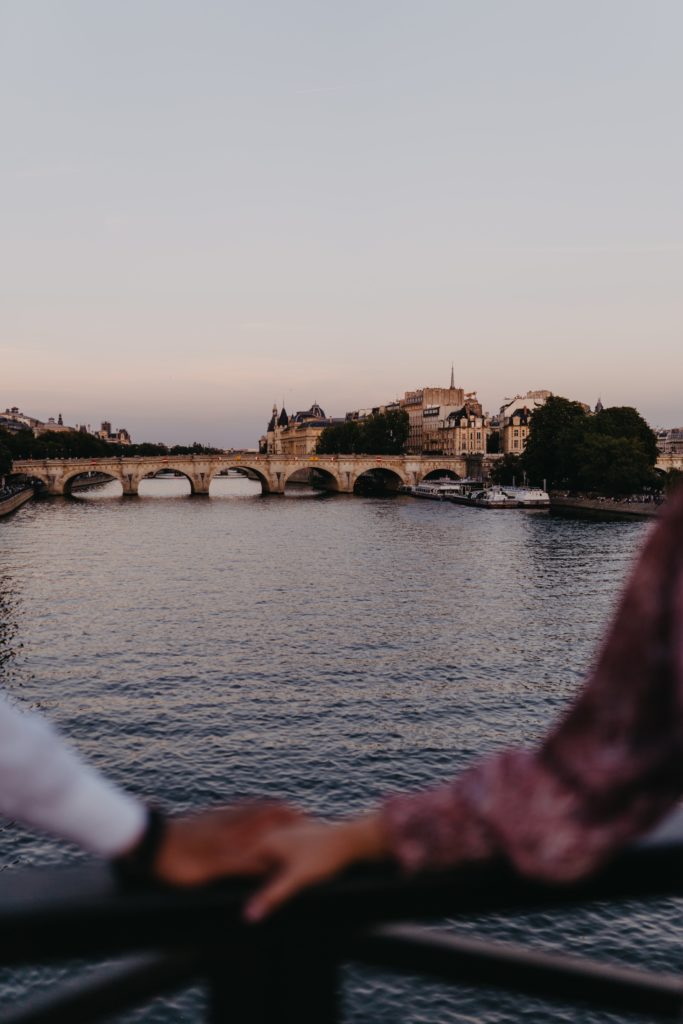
(44, 784)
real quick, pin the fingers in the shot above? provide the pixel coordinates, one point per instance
(224, 841)
(239, 839)
(272, 895)
(300, 855)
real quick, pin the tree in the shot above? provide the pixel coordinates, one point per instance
(341, 439)
(625, 421)
(507, 469)
(612, 453)
(613, 465)
(5, 461)
(382, 433)
(551, 451)
(493, 443)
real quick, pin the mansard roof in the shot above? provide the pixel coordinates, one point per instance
(314, 413)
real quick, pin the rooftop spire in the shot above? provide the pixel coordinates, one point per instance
(452, 376)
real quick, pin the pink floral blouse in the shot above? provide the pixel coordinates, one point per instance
(611, 767)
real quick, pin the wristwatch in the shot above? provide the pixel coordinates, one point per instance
(137, 865)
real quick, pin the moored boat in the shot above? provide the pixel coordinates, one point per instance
(529, 497)
(505, 497)
(493, 497)
(439, 490)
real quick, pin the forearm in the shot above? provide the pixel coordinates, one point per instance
(45, 785)
(610, 768)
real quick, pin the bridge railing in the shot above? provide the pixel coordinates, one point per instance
(288, 968)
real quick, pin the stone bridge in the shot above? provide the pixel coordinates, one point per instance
(333, 472)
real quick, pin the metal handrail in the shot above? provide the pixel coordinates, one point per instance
(53, 914)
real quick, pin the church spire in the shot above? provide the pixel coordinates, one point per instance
(271, 426)
(452, 376)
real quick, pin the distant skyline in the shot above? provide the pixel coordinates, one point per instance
(208, 207)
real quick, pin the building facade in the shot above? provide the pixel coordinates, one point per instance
(515, 417)
(463, 432)
(297, 434)
(670, 441)
(119, 436)
(428, 409)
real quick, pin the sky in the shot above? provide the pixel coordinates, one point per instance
(208, 207)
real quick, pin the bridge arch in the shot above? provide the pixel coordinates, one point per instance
(32, 476)
(378, 480)
(164, 473)
(440, 474)
(246, 469)
(93, 477)
(315, 476)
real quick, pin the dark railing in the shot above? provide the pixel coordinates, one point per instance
(287, 969)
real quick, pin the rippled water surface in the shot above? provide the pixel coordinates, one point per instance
(322, 649)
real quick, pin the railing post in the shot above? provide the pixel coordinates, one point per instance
(296, 979)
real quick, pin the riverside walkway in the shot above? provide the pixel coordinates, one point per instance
(14, 499)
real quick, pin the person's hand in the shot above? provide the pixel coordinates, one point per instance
(305, 852)
(208, 845)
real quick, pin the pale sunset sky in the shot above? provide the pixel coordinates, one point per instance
(208, 206)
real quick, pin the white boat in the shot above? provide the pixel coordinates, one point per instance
(505, 497)
(439, 490)
(493, 497)
(529, 497)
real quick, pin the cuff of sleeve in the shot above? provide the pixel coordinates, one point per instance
(137, 864)
(100, 817)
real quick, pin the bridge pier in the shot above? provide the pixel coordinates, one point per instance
(277, 482)
(55, 486)
(200, 484)
(130, 485)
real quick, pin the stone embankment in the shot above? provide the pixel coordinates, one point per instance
(13, 502)
(604, 506)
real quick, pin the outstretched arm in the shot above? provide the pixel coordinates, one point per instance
(609, 770)
(611, 767)
(44, 784)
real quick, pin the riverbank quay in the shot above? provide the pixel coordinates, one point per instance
(15, 501)
(289, 968)
(604, 506)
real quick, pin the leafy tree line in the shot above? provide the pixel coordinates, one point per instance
(382, 433)
(5, 460)
(611, 453)
(73, 444)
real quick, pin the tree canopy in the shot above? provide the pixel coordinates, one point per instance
(508, 470)
(74, 444)
(613, 452)
(382, 433)
(5, 460)
(551, 451)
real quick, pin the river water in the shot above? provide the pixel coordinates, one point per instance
(324, 649)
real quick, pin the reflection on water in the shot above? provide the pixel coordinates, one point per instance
(233, 486)
(326, 651)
